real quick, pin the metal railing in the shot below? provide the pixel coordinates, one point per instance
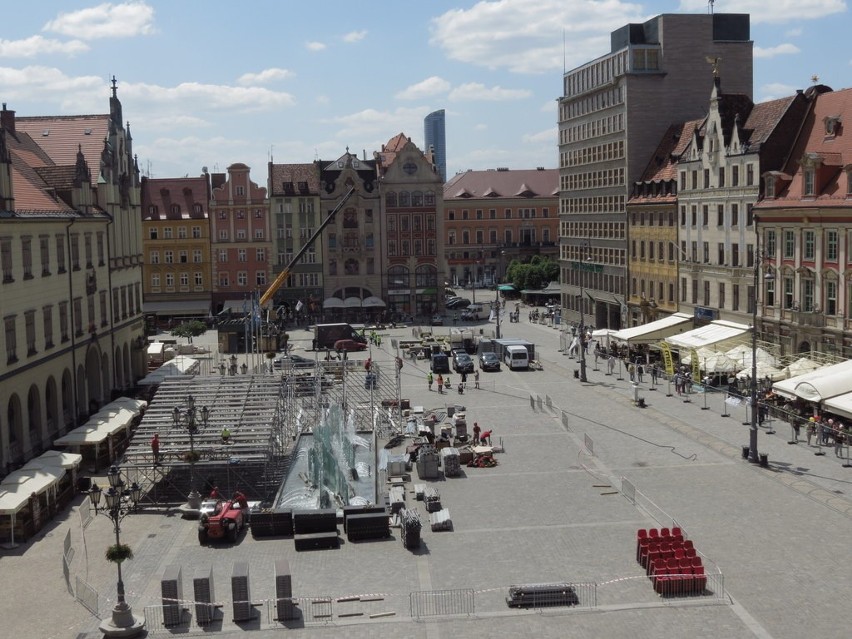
(441, 603)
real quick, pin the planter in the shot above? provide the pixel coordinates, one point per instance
(118, 553)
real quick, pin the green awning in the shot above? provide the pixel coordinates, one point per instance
(506, 287)
(429, 291)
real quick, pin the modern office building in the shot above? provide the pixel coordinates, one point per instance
(435, 137)
(612, 115)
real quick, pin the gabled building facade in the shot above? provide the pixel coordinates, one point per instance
(240, 238)
(805, 223)
(494, 217)
(411, 230)
(294, 202)
(352, 270)
(71, 261)
(652, 231)
(719, 175)
(177, 274)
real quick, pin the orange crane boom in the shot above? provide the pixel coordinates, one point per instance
(285, 272)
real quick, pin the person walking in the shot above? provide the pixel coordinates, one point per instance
(640, 371)
(429, 379)
(631, 370)
(464, 379)
(476, 431)
(440, 384)
(476, 379)
(811, 429)
(655, 373)
(155, 448)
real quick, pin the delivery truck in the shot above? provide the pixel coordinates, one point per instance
(325, 335)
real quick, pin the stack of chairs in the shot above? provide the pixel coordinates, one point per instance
(670, 561)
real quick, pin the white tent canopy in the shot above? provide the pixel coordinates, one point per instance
(109, 420)
(16, 487)
(332, 302)
(711, 361)
(840, 405)
(819, 385)
(654, 331)
(742, 354)
(373, 301)
(764, 370)
(800, 367)
(713, 333)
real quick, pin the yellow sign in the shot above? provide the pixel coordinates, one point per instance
(696, 369)
(667, 358)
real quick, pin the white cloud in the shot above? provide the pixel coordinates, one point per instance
(315, 46)
(427, 88)
(777, 11)
(370, 123)
(549, 107)
(542, 137)
(355, 36)
(771, 52)
(526, 36)
(476, 91)
(106, 20)
(194, 96)
(794, 33)
(775, 90)
(48, 84)
(38, 45)
(264, 77)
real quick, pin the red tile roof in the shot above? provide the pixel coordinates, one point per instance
(33, 195)
(506, 184)
(294, 174)
(663, 164)
(164, 193)
(835, 150)
(61, 135)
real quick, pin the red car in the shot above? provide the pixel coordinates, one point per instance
(349, 345)
(222, 519)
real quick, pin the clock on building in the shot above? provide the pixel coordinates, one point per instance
(410, 167)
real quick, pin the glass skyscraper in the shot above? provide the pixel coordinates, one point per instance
(435, 137)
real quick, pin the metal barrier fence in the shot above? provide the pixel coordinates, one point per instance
(86, 595)
(538, 596)
(433, 603)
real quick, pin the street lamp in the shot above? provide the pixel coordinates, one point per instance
(752, 439)
(120, 502)
(583, 266)
(188, 419)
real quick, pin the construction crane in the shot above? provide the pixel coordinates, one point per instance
(285, 272)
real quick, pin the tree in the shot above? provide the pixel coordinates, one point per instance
(537, 273)
(190, 329)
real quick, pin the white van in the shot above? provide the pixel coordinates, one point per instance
(516, 356)
(475, 312)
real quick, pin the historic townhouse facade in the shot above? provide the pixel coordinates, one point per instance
(652, 231)
(70, 230)
(719, 175)
(177, 280)
(351, 247)
(239, 238)
(806, 230)
(612, 114)
(412, 256)
(294, 203)
(496, 216)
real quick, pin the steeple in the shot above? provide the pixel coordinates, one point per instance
(115, 106)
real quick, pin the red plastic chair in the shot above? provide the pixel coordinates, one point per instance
(699, 579)
(685, 565)
(664, 532)
(696, 562)
(676, 531)
(648, 558)
(642, 548)
(659, 579)
(653, 533)
(687, 543)
(690, 552)
(679, 553)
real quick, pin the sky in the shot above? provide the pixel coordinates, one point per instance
(208, 83)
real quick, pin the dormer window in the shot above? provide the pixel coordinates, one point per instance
(809, 178)
(770, 186)
(832, 125)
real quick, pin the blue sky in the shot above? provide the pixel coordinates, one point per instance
(210, 83)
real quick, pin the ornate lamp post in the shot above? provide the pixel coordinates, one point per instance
(752, 439)
(188, 419)
(120, 502)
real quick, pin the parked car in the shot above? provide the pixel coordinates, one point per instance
(440, 363)
(462, 363)
(349, 345)
(489, 362)
(459, 303)
(296, 361)
(437, 320)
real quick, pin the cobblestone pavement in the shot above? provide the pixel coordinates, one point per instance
(550, 511)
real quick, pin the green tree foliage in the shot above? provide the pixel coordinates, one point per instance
(190, 329)
(536, 273)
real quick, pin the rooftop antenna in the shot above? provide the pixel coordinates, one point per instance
(710, 4)
(814, 79)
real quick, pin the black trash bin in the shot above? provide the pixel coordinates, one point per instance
(576, 374)
(84, 484)
(764, 460)
(746, 450)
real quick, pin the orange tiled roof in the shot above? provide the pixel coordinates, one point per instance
(504, 184)
(61, 135)
(835, 151)
(663, 164)
(31, 191)
(164, 193)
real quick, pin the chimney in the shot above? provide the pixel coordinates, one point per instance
(7, 120)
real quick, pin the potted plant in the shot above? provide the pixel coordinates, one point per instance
(118, 553)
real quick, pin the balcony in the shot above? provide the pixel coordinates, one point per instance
(813, 319)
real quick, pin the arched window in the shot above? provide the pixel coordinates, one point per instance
(417, 198)
(404, 199)
(426, 276)
(398, 277)
(430, 198)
